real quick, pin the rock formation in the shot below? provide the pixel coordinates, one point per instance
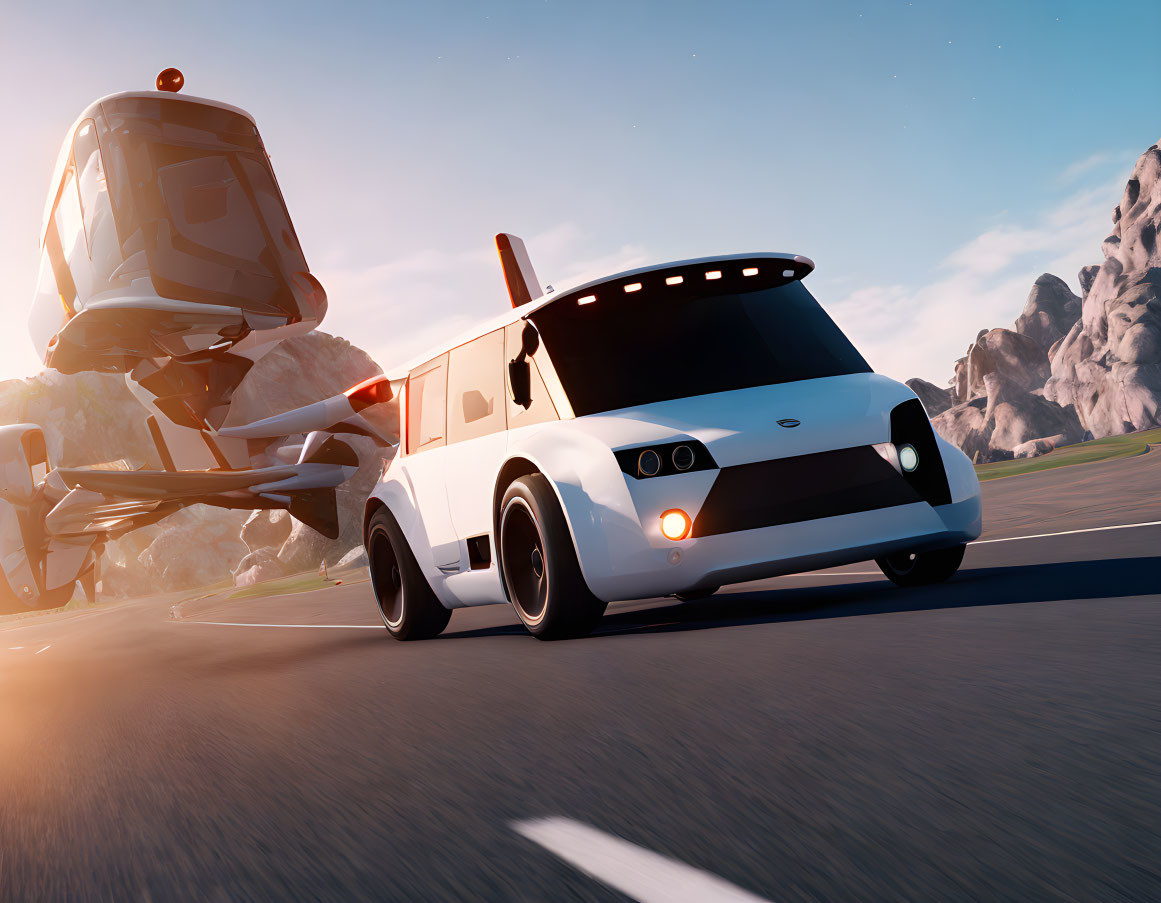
(1109, 364)
(1073, 367)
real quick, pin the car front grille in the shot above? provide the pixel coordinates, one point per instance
(801, 488)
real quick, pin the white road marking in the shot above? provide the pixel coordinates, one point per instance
(636, 872)
(1152, 523)
(321, 626)
(38, 651)
(14, 648)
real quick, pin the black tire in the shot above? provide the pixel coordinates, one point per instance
(921, 568)
(694, 594)
(538, 561)
(410, 610)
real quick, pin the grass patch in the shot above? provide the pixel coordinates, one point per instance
(299, 583)
(1106, 449)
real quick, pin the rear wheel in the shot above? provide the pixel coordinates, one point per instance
(921, 568)
(409, 608)
(540, 569)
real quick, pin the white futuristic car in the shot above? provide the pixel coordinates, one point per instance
(664, 431)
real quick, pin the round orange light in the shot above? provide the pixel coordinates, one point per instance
(675, 524)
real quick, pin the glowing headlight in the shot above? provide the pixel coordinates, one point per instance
(675, 524)
(908, 458)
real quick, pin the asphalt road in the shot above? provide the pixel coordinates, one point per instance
(817, 737)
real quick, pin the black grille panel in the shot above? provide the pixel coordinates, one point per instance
(805, 487)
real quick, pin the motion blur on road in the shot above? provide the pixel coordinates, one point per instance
(826, 736)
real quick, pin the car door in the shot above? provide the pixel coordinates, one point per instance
(476, 439)
(426, 460)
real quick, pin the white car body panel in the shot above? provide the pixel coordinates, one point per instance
(615, 519)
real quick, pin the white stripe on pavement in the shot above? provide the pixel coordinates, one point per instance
(38, 651)
(636, 872)
(1152, 523)
(246, 624)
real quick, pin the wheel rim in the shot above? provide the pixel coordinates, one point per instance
(525, 565)
(386, 578)
(903, 563)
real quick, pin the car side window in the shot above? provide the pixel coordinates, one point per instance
(540, 408)
(427, 405)
(476, 388)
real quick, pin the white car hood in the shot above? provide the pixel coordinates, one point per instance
(742, 426)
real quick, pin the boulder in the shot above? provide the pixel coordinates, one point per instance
(264, 529)
(304, 549)
(1049, 312)
(356, 558)
(121, 582)
(1033, 448)
(935, 399)
(1018, 417)
(1017, 359)
(993, 427)
(964, 425)
(258, 567)
(196, 547)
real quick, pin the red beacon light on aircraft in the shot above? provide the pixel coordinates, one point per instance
(170, 80)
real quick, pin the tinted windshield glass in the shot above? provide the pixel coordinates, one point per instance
(653, 345)
(193, 190)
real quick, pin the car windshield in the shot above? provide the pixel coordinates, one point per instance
(620, 346)
(192, 189)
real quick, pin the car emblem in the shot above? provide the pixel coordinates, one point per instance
(789, 422)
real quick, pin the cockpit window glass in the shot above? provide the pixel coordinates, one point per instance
(616, 348)
(192, 186)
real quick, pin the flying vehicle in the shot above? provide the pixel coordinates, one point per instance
(663, 431)
(168, 255)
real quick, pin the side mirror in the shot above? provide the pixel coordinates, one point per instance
(529, 340)
(520, 381)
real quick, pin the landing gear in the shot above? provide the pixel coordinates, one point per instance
(540, 568)
(921, 568)
(409, 608)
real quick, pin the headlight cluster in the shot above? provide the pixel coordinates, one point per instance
(916, 452)
(665, 460)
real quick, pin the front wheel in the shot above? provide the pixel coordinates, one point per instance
(409, 608)
(540, 568)
(921, 568)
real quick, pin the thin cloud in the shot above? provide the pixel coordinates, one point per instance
(402, 308)
(920, 330)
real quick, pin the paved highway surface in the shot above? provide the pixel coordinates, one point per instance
(819, 737)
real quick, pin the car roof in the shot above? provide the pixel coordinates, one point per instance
(514, 315)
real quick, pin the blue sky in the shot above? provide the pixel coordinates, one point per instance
(932, 157)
